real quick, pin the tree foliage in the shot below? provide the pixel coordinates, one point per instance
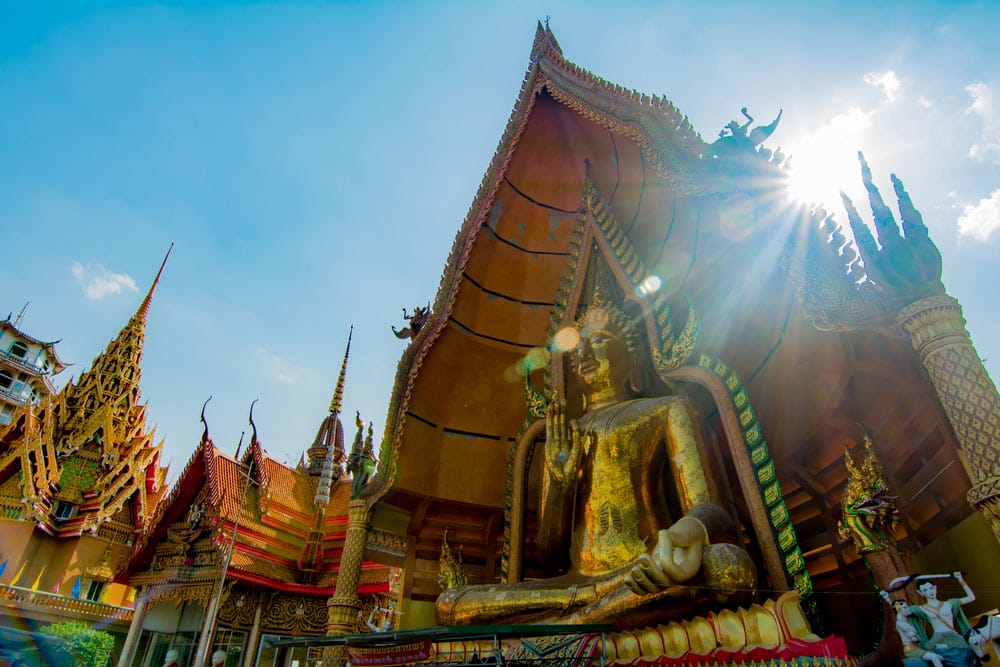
(82, 646)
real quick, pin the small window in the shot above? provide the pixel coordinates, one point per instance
(19, 350)
(6, 380)
(94, 591)
(63, 510)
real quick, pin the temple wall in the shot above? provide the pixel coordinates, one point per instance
(42, 560)
(416, 614)
(15, 539)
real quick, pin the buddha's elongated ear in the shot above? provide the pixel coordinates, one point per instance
(635, 376)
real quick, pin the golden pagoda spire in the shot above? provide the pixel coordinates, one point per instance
(336, 403)
(144, 306)
(327, 452)
(113, 378)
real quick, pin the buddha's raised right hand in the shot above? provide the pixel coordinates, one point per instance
(563, 444)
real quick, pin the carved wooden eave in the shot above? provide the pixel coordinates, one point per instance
(715, 236)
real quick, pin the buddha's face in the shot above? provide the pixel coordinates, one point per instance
(601, 359)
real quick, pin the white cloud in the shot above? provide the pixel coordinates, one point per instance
(275, 366)
(925, 102)
(887, 81)
(988, 146)
(981, 220)
(97, 282)
(982, 98)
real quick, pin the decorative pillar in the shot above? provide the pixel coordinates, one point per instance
(344, 605)
(135, 627)
(968, 395)
(250, 655)
(207, 637)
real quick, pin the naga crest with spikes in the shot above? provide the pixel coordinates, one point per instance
(863, 284)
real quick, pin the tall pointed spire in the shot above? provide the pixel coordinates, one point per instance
(144, 306)
(327, 451)
(113, 377)
(336, 403)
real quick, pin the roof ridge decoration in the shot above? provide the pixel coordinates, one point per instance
(204, 446)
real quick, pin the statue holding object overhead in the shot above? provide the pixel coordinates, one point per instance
(629, 510)
(937, 630)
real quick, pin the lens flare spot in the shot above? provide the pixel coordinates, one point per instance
(566, 339)
(651, 285)
(537, 358)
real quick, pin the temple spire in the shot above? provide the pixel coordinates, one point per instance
(144, 306)
(327, 455)
(112, 382)
(336, 403)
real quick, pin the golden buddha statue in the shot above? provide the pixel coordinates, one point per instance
(612, 480)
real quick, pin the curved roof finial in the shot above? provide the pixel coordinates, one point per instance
(204, 435)
(253, 435)
(144, 306)
(338, 393)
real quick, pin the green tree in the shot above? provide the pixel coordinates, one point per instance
(82, 646)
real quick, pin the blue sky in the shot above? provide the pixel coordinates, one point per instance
(312, 163)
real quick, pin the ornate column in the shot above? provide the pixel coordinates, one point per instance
(968, 395)
(135, 627)
(344, 605)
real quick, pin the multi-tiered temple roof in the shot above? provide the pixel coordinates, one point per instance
(84, 462)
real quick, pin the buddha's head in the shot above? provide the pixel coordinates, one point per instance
(604, 357)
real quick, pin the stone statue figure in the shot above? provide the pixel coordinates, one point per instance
(941, 625)
(628, 511)
(913, 649)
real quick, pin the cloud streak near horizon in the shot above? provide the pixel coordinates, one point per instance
(98, 282)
